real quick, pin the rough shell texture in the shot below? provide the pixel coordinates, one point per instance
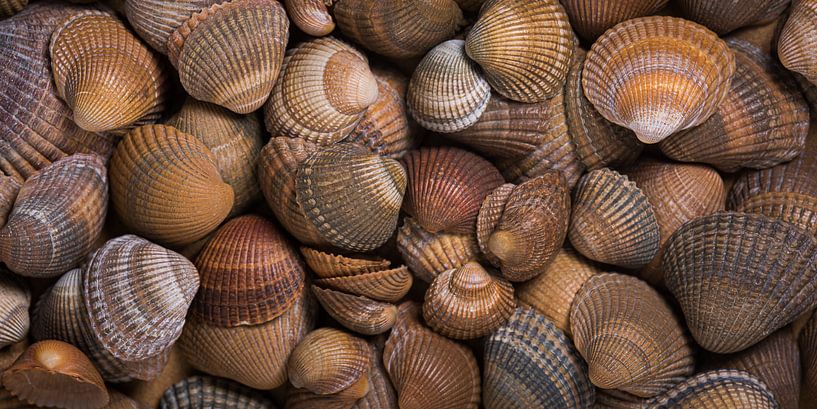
(328, 265)
(9, 8)
(15, 299)
(795, 208)
(807, 343)
(797, 38)
(328, 361)
(591, 18)
(311, 16)
(428, 254)
(721, 389)
(359, 314)
(202, 392)
(9, 187)
(156, 20)
(383, 285)
(725, 16)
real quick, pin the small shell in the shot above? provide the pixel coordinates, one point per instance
(657, 75)
(328, 265)
(808, 353)
(57, 217)
(531, 363)
(211, 392)
(629, 337)
(311, 16)
(360, 314)
(523, 46)
(795, 208)
(726, 16)
(328, 361)
(383, 285)
(15, 299)
(591, 18)
(54, 373)
(739, 277)
(717, 389)
(429, 254)
(156, 20)
(612, 221)
(9, 187)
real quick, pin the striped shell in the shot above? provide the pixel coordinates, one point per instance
(9, 8)
(121, 401)
(429, 254)
(328, 265)
(156, 20)
(796, 208)
(797, 39)
(807, 342)
(717, 389)
(591, 18)
(311, 16)
(202, 392)
(9, 187)
(329, 361)
(15, 299)
(726, 16)
(359, 314)
(389, 285)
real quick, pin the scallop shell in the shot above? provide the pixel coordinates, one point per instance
(658, 75)
(429, 254)
(359, 314)
(725, 16)
(717, 389)
(311, 16)
(795, 208)
(739, 277)
(591, 18)
(9, 187)
(165, 185)
(328, 265)
(612, 221)
(57, 217)
(524, 47)
(106, 75)
(156, 20)
(9, 8)
(328, 361)
(211, 392)
(15, 299)
(383, 285)
(807, 342)
(322, 93)
(531, 363)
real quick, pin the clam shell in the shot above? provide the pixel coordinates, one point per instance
(166, 186)
(211, 392)
(807, 341)
(383, 285)
(725, 16)
(531, 363)
(739, 277)
(311, 16)
(328, 265)
(15, 299)
(328, 361)
(629, 337)
(9, 8)
(490, 213)
(57, 217)
(657, 75)
(9, 187)
(524, 47)
(156, 20)
(591, 18)
(717, 389)
(359, 314)
(796, 39)
(612, 221)
(429, 254)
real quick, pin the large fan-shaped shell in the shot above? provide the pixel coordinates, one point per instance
(15, 299)
(797, 40)
(311, 16)
(328, 361)
(717, 389)
(200, 392)
(591, 18)
(9, 187)
(807, 342)
(382, 285)
(156, 20)
(725, 16)
(360, 314)
(428, 254)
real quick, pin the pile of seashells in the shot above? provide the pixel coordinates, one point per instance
(414, 204)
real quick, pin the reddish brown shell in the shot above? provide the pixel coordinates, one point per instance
(311, 16)
(591, 18)
(156, 20)
(328, 361)
(428, 254)
(797, 38)
(383, 285)
(359, 314)
(723, 16)
(328, 265)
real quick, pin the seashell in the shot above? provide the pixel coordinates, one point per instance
(429, 254)
(612, 221)
(524, 47)
(304, 399)
(57, 217)
(616, 399)
(384, 285)
(762, 122)
(165, 185)
(796, 39)
(717, 389)
(531, 363)
(9, 401)
(235, 141)
(15, 299)
(322, 93)
(359, 314)
(715, 266)
(328, 361)
(591, 18)
(399, 28)
(381, 393)
(351, 196)
(447, 92)
(249, 274)
(676, 79)
(148, 393)
(795, 208)
(9, 187)
(54, 373)
(121, 401)
(10, 353)
(211, 392)
(105, 74)
(807, 342)
(629, 337)
(678, 193)
(490, 213)
(311, 16)
(328, 265)
(446, 187)
(9, 8)
(552, 292)
(156, 20)
(723, 17)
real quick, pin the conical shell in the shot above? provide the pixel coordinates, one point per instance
(166, 186)
(200, 392)
(54, 373)
(795, 208)
(230, 54)
(359, 314)
(807, 341)
(10, 353)
(235, 141)
(529, 363)
(725, 16)
(328, 361)
(591, 18)
(398, 28)
(351, 196)
(383, 285)
(739, 277)
(106, 75)
(447, 92)
(156, 20)
(15, 299)
(311, 16)
(9, 187)
(328, 265)
(429, 254)
(9, 8)
(57, 217)
(612, 221)
(523, 46)
(657, 75)
(717, 389)
(629, 337)
(762, 122)
(322, 93)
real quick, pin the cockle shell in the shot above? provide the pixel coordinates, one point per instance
(717, 389)
(657, 75)
(156, 20)
(739, 277)
(9, 187)
(211, 392)
(591, 18)
(148, 393)
(725, 16)
(166, 186)
(57, 217)
(10, 353)
(807, 342)
(796, 208)
(523, 46)
(15, 299)
(359, 314)
(428, 254)
(121, 401)
(797, 37)
(616, 399)
(328, 265)
(329, 361)
(529, 363)
(388, 285)
(311, 16)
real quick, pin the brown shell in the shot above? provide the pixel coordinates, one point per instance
(591, 18)
(657, 75)
(797, 39)
(121, 401)
(106, 75)
(328, 265)
(807, 342)
(10, 353)
(165, 185)
(725, 16)
(359, 314)
(211, 392)
(156, 20)
(9, 187)
(795, 208)
(629, 336)
(383, 285)
(148, 393)
(9, 8)
(524, 47)
(15, 299)
(322, 93)
(429, 254)
(57, 217)
(328, 361)
(717, 389)
(311, 16)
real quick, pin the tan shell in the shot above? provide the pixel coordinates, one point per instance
(359, 314)
(15, 299)
(57, 217)
(429, 254)
(591, 18)
(724, 16)
(328, 361)
(523, 46)
(796, 39)
(807, 342)
(383, 285)
(156, 20)
(328, 265)
(676, 79)
(9, 187)
(311, 16)
(211, 392)
(165, 185)
(717, 389)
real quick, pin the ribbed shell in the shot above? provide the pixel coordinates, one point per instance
(9, 8)
(106, 75)
(629, 337)
(165, 185)
(807, 341)
(490, 213)
(328, 265)
(359, 314)
(10, 353)
(351, 196)
(658, 75)
(235, 141)
(530, 363)
(739, 277)
(9, 187)
(591, 18)
(121, 401)
(311, 16)
(231, 53)
(156, 20)
(58, 216)
(15, 299)
(328, 361)
(382, 285)
(523, 46)
(717, 389)
(612, 221)
(398, 28)
(762, 122)
(208, 392)
(322, 93)
(725, 16)
(616, 399)
(429, 254)
(797, 40)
